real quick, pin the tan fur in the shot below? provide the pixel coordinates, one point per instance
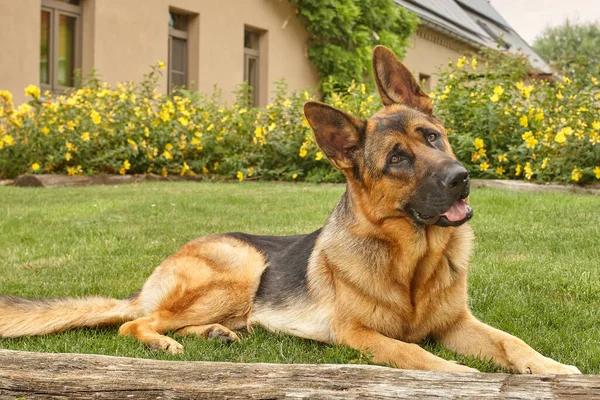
(376, 281)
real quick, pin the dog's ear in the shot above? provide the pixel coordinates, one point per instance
(395, 82)
(338, 134)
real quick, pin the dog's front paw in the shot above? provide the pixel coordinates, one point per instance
(547, 366)
(455, 366)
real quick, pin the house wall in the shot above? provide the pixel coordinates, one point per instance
(430, 50)
(121, 39)
(19, 46)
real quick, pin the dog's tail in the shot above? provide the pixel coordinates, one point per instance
(32, 317)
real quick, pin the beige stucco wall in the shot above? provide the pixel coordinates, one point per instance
(431, 50)
(19, 46)
(121, 39)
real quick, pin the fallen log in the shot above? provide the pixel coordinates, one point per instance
(82, 376)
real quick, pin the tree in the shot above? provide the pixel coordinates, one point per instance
(571, 46)
(342, 34)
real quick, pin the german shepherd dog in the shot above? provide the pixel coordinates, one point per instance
(388, 269)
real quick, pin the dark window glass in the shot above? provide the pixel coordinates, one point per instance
(178, 21)
(250, 40)
(66, 50)
(45, 48)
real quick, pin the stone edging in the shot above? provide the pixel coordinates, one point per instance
(51, 180)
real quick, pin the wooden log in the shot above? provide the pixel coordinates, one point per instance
(81, 376)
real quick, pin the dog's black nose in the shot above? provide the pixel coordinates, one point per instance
(454, 178)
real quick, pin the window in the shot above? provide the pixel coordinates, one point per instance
(251, 62)
(60, 40)
(425, 82)
(178, 51)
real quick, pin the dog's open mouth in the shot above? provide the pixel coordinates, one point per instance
(458, 213)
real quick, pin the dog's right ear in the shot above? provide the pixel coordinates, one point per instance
(338, 134)
(395, 82)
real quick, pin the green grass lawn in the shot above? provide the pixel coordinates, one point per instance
(535, 270)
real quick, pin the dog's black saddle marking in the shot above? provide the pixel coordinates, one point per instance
(287, 258)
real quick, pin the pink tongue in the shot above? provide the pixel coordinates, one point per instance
(457, 211)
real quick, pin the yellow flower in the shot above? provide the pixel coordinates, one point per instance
(523, 121)
(596, 125)
(566, 80)
(294, 176)
(518, 170)
(169, 146)
(597, 172)
(126, 165)
(545, 163)
(45, 130)
(502, 158)
(560, 137)
(250, 171)
(500, 171)
(478, 143)
(161, 64)
(68, 156)
(85, 136)
(242, 111)
(185, 168)
(539, 116)
(164, 115)
(240, 176)
(318, 156)
(167, 154)
(461, 62)
(530, 140)
(204, 171)
(96, 118)
(494, 98)
(8, 140)
(183, 121)
(8, 95)
(35, 166)
(499, 90)
(528, 170)
(303, 152)
(560, 96)
(576, 174)
(272, 126)
(484, 166)
(32, 91)
(474, 63)
(215, 165)
(287, 103)
(71, 171)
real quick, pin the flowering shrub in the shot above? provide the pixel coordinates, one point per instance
(133, 129)
(503, 125)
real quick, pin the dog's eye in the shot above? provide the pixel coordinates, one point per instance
(432, 137)
(394, 159)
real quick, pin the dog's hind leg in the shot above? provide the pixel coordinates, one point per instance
(149, 330)
(207, 288)
(211, 331)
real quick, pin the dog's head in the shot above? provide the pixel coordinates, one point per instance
(398, 163)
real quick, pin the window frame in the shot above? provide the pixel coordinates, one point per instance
(182, 35)
(56, 9)
(252, 54)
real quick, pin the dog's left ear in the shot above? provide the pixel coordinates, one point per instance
(395, 82)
